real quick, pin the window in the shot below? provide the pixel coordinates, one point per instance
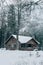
(13, 45)
(9, 45)
(25, 45)
(29, 45)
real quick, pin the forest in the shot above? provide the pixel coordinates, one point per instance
(21, 18)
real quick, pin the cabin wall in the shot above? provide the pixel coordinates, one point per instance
(33, 45)
(11, 44)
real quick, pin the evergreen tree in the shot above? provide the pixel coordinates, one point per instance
(11, 20)
(2, 29)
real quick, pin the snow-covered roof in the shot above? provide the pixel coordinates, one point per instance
(23, 39)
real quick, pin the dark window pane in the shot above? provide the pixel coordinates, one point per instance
(14, 46)
(22, 45)
(25, 45)
(29, 45)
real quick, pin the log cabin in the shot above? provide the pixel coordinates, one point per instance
(25, 43)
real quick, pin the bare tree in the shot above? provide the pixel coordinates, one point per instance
(21, 6)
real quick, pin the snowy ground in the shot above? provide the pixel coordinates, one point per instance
(16, 57)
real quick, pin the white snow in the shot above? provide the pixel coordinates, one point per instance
(10, 2)
(23, 39)
(13, 35)
(16, 57)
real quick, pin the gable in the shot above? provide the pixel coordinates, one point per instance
(10, 39)
(32, 41)
(22, 39)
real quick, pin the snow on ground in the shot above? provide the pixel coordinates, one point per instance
(16, 57)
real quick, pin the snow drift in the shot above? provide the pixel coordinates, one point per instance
(16, 57)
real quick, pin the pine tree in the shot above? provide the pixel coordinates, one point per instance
(11, 20)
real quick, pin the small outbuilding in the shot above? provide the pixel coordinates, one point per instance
(25, 43)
